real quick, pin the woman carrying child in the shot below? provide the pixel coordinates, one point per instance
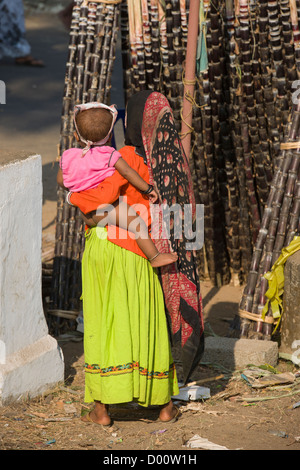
(86, 169)
(126, 342)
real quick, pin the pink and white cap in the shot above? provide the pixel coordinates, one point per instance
(84, 107)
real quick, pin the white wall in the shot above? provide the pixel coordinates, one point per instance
(24, 339)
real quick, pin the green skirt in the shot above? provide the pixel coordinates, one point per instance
(126, 343)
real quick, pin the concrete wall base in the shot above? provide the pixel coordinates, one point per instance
(31, 371)
(30, 360)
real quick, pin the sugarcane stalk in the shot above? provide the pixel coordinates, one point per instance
(289, 56)
(147, 45)
(105, 53)
(296, 34)
(293, 223)
(96, 54)
(170, 73)
(139, 45)
(164, 52)
(126, 53)
(133, 41)
(242, 231)
(211, 112)
(155, 31)
(112, 53)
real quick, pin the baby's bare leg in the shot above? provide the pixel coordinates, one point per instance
(126, 218)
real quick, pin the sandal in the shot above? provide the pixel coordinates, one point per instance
(174, 419)
(29, 61)
(87, 419)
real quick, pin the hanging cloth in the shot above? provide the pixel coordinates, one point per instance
(201, 57)
(275, 277)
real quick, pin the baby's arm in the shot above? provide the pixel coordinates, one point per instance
(134, 178)
(59, 179)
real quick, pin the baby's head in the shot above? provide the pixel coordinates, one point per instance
(93, 124)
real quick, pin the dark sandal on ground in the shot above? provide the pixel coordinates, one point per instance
(29, 61)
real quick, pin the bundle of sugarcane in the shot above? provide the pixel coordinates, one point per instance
(224, 84)
(93, 36)
(217, 156)
(126, 51)
(279, 76)
(240, 109)
(146, 28)
(240, 106)
(214, 151)
(176, 54)
(295, 14)
(204, 165)
(280, 220)
(288, 45)
(153, 39)
(279, 225)
(233, 61)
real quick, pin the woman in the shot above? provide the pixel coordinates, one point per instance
(151, 130)
(12, 34)
(132, 337)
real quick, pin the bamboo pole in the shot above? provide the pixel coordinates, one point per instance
(189, 76)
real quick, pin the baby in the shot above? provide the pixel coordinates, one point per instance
(86, 169)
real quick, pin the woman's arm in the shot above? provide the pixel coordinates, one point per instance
(134, 178)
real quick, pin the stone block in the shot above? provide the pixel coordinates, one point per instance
(235, 353)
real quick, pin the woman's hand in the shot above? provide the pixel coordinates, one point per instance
(89, 219)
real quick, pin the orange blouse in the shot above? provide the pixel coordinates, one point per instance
(110, 190)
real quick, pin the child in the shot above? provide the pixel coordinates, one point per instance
(82, 170)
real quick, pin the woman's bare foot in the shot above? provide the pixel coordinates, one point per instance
(163, 259)
(169, 413)
(98, 415)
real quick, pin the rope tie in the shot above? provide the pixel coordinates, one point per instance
(107, 2)
(290, 145)
(191, 99)
(254, 317)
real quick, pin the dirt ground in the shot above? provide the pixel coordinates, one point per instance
(230, 417)
(236, 415)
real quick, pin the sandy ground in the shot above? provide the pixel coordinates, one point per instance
(31, 121)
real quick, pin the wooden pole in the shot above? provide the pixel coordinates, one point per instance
(190, 72)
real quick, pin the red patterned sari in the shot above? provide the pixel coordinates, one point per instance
(170, 174)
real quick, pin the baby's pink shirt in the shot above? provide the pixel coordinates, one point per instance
(86, 172)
